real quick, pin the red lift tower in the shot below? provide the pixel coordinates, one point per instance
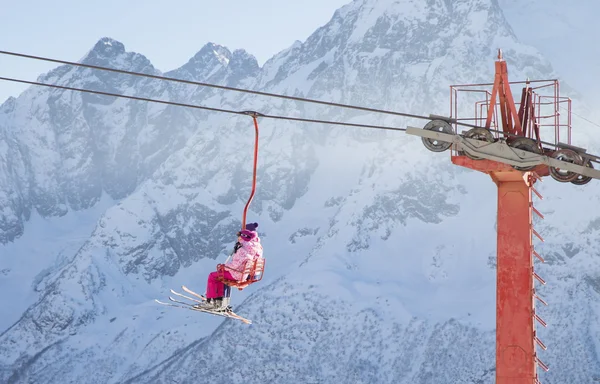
(504, 140)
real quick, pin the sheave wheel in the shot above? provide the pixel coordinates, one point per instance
(525, 144)
(569, 156)
(477, 134)
(433, 144)
(582, 180)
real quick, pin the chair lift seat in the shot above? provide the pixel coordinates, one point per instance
(252, 268)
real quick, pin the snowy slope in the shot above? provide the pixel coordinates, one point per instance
(380, 254)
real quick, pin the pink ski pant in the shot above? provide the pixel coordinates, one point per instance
(215, 288)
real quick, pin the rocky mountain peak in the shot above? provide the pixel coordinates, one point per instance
(208, 60)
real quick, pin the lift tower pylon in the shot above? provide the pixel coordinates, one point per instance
(515, 307)
(504, 142)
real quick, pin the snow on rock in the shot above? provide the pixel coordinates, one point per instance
(366, 233)
(63, 149)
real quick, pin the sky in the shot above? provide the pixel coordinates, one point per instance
(168, 34)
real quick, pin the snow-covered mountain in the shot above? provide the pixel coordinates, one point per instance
(380, 254)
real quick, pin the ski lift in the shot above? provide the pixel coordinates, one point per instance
(253, 269)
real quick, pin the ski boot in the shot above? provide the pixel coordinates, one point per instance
(225, 304)
(221, 304)
(209, 304)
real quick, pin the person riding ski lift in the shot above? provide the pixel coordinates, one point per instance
(247, 249)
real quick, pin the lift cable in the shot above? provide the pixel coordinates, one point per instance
(581, 117)
(218, 86)
(232, 111)
(202, 107)
(454, 121)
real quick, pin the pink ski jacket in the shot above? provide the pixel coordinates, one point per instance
(249, 251)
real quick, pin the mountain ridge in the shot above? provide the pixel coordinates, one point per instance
(376, 248)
